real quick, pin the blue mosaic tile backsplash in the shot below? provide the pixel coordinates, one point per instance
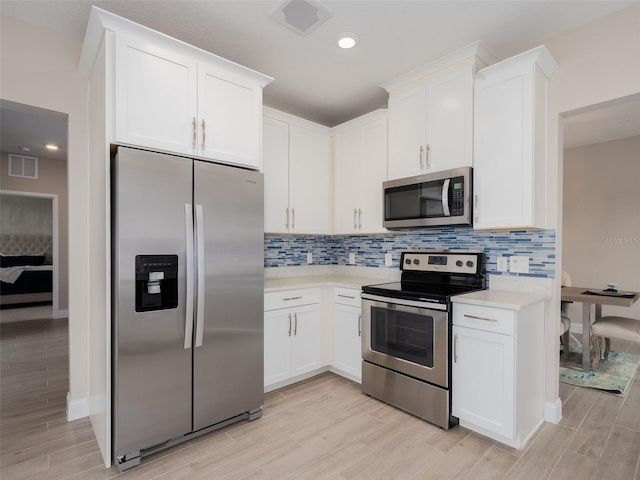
(291, 250)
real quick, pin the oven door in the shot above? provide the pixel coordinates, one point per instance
(407, 336)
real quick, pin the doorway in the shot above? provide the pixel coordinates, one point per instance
(601, 201)
(38, 138)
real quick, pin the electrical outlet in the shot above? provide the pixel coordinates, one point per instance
(352, 258)
(503, 264)
(388, 259)
(309, 257)
(519, 264)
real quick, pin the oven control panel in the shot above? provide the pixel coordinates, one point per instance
(448, 262)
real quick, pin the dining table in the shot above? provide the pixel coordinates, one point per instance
(592, 300)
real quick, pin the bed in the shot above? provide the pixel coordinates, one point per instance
(26, 270)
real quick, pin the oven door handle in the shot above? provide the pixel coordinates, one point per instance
(426, 304)
(445, 197)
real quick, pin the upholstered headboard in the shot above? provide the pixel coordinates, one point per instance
(27, 245)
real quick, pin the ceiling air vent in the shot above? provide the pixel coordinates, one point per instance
(21, 166)
(301, 16)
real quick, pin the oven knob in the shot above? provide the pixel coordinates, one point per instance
(469, 263)
(408, 261)
(459, 263)
(416, 261)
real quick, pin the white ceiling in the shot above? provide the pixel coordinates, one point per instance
(316, 80)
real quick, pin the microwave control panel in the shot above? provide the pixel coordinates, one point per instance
(457, 196)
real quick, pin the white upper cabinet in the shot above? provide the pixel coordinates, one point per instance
(360, 154)
(510, 142)
(230, 111)
(296, 162)
(431, 125)
(171, 97)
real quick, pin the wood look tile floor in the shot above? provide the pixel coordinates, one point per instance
(323, 428)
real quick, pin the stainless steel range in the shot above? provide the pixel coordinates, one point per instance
(406, 331)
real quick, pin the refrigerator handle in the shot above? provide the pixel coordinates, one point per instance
(188, 320)
(200, 306)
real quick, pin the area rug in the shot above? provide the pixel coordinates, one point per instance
(613, 376)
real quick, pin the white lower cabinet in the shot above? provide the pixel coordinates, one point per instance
(347, 329)
(497, 370)
(292, 335)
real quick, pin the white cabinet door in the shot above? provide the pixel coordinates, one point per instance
(406, 133)
(306, 340)
(347, 355)
(503, 152)
(349, 151)
(510, 142)
(155, 96)
(229, 109)
(275, 166)
(374, 172)
(449, 121)
(309, 181)
(277, 346)
(483, 382)
(360, 168)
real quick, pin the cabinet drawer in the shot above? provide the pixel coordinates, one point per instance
(346, 296)
(488, 319)
(291, 298)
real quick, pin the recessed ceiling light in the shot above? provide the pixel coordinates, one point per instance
(347, 40)
(51, 146)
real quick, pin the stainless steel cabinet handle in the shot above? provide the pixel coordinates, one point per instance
(481, 318)
(188, 321)
(287, 224)
(355, 216)
(201, 286)
(203, 134)
(295, 328)
(195, 132)
(421, 160)
(293, 218)
(359, 218)
(455, 349)
(428, 156)
(291, 298)
(289, 324)
(477, 200)
(359, 325)
(346, 296)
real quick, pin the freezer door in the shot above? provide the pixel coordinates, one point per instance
(151, 367)
(228, 350)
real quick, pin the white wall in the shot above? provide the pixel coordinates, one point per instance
(39, 68)
(601, 219)
(598, 62)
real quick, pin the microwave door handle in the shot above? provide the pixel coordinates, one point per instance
(445, 197)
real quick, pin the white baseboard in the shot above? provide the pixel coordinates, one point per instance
(77, 408)
(60, 314)
(553, 411)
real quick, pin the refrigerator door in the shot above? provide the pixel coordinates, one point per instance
(228, 349)
(151, 367)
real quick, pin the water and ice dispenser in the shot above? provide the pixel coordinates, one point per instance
(156, 282)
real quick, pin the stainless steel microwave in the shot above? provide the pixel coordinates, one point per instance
(430, 200)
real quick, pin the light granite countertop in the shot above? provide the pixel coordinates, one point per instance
(500, 299)
(347, 281)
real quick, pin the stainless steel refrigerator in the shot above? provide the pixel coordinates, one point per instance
(187, 269)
